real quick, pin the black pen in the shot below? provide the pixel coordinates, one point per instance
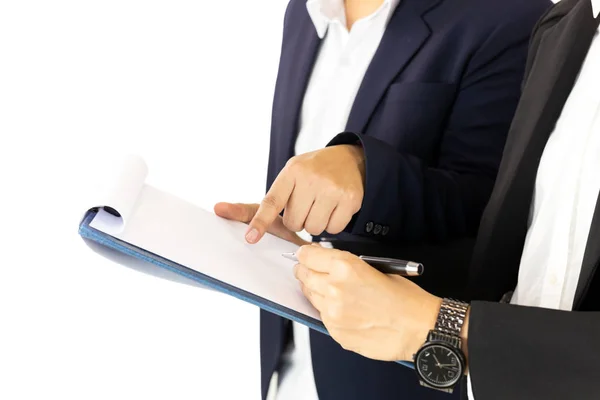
(384, 265)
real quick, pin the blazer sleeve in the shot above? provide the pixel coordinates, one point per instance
(414, 200)
(518, 352)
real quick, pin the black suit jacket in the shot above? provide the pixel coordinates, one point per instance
(525, 352)
(432, 113)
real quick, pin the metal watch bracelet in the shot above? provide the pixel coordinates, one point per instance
(451, 317)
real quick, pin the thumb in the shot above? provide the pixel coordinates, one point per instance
(236, 211)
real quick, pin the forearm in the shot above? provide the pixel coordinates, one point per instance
(539, 353)
(407, 200)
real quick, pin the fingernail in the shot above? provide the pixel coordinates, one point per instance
(252, 236)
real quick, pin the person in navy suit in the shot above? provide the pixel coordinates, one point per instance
(388, 125)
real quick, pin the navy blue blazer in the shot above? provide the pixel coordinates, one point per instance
(432, 114)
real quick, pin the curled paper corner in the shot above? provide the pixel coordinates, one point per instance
(135, 160)
(108, 222)
(118, 190)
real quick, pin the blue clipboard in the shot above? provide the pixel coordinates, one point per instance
(87, 232)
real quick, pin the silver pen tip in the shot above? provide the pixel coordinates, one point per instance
(290, 256)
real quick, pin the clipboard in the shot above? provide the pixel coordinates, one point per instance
(131, 222)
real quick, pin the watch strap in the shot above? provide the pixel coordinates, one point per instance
(451, 317)
(451, 340)
(447, 390)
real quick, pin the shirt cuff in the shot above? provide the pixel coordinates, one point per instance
(470, 395)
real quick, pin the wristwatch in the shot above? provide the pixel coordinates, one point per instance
(440, 362)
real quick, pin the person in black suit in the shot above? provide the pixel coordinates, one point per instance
(531, 330)
(424, 109)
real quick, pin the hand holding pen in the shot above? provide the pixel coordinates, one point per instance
(363, 309)
(385, 265)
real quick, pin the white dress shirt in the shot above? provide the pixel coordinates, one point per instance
(339, 69)
(340, 66)
(566, 192)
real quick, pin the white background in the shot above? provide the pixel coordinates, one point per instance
(188, 86)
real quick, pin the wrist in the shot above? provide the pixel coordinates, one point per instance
(357, 153)
(427, 317)
(443, 351)
(464, 336)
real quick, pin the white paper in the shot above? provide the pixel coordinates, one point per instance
(120, 188)
(198, 239)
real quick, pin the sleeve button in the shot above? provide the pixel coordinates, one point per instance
(377, 229)
(369, 227)
(385, 230)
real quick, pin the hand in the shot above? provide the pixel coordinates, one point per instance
(245, 212)
(319, 191)
(380, 316)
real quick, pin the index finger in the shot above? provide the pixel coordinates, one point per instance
(272, 204)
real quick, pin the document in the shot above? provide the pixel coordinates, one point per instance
(166, 226)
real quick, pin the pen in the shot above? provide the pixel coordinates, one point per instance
(384, 265)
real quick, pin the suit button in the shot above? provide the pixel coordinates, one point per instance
(377, 229)
(369, 227)
(385, 230)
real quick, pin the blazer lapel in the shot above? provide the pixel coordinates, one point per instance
(554, 69)
(300, 54)
(559, 58)
(405, 34)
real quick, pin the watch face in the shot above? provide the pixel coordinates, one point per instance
(439, 365)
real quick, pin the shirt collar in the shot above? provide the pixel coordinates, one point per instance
(324, 12)
(596, 8)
